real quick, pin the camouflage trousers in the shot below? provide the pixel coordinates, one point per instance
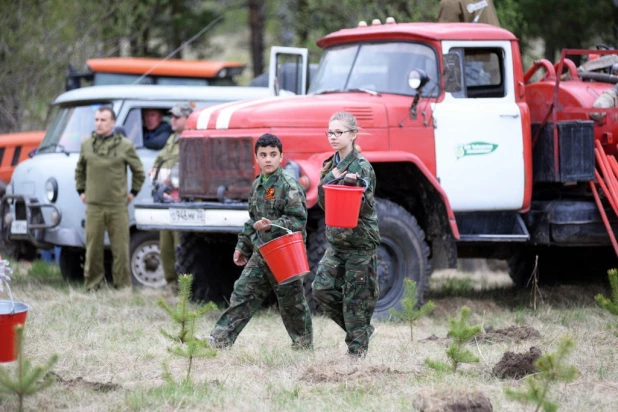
(346, 287)
(254, 285)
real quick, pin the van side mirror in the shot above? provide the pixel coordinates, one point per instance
(452, 73)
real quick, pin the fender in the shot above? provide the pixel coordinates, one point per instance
(312, 166)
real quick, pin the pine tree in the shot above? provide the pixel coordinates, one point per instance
(461, 333)
(28, 378)
(551, 369)
(610, 305)
(187, 345)
(410, 313)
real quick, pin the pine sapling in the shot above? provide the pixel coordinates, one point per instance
(610, 305)
(187, 345)
(28, 379)
(410, 311)
(461, 333)
(551, 369)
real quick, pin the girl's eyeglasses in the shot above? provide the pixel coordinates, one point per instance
(337, 133)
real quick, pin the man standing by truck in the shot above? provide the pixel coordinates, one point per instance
(101, 181)
(167, 158)
(468, 11)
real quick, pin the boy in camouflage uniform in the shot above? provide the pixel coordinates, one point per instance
(275, 198)
(346, 284)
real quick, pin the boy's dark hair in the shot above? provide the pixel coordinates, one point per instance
(107, 109)
(268, 140)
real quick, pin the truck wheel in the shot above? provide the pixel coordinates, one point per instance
(71, 264)
(316, 246)
(403, 253)
(145, 258)
(209, 260)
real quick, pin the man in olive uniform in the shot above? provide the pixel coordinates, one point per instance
(101, 181)
(276, 199)
(468, 11)
(167, 158)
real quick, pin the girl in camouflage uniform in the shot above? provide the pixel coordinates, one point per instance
(345, 284)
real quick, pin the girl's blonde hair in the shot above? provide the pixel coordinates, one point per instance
(350, 121)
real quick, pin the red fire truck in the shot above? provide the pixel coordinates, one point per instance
(473, 157)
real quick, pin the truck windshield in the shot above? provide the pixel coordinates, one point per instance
(69, 127)
(381, 67)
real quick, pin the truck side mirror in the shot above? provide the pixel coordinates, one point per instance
(452, 73)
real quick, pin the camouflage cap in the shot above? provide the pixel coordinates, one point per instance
(182, 110)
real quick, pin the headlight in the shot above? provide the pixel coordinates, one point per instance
(175, 176)
(51, 189)
(293, 169)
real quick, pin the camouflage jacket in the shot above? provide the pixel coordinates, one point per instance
(366, 235)
(278, 198)
(168, 156)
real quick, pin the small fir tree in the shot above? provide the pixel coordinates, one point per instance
(610, 305)
(551, 369)
(410, 312)
(28, 379)
(461, 333)
(187, 345)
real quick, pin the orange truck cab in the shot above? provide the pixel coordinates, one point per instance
(143, 70)
(15, 147)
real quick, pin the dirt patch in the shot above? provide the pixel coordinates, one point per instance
(512, 333)
(517, 365)
(454, 402)
(79, 381)
(315, 375)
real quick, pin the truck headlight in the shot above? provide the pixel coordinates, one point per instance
(51, 189)
(175, 176)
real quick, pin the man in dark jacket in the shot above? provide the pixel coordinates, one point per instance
(468, 11)
(155, 131)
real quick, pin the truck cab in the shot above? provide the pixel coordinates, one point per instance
(445, 121)
(41, 207)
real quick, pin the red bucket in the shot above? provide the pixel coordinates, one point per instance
(342, 205)
(8, 320)
(286, 257)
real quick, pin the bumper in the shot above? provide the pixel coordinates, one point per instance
(21, 219)
(211, 217)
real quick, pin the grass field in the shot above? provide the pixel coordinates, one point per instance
(111, 352)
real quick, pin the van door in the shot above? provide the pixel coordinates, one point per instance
(479, 132)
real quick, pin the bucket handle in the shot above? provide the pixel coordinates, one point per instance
(288, 231)
(343, 177)
(5, 271)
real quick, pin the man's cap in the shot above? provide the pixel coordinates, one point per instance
(182, 110)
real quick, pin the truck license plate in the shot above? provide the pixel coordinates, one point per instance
(19, 227)
(187, 216)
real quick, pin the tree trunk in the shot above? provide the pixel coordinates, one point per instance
(256, 22)
(176, 40)
(302, 29)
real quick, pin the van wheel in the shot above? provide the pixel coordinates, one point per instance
(145, 258)
(71, 264)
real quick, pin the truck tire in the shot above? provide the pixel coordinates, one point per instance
(403, 253)
(209, 260)
(71, 264)
(145, 258)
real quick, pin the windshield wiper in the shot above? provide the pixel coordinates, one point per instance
(327, 91)
(48, 146)
(362, 89)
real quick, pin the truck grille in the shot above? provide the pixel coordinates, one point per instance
(210, 162)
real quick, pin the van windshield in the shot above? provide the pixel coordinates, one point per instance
(69, 127)
(380, 67)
